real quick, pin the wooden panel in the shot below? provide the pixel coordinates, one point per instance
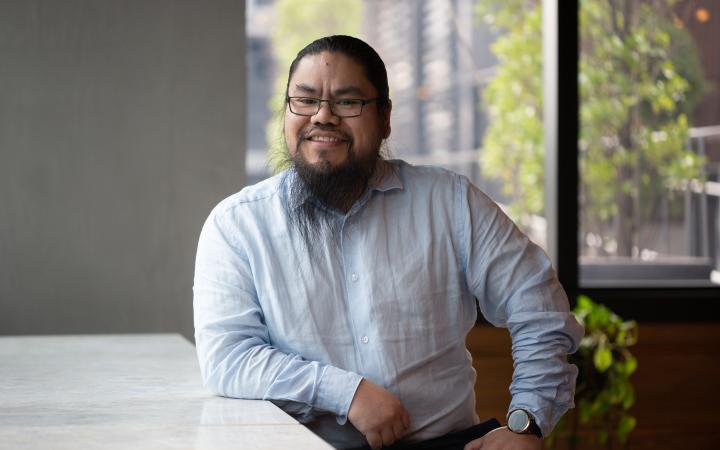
(677, 383)
(490, 348)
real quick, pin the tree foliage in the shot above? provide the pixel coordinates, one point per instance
(639, 79)
(297, 23)
(635, 99)
(513, 145)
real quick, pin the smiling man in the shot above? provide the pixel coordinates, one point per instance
(343, 288)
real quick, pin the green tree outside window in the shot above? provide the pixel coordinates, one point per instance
(640, 77)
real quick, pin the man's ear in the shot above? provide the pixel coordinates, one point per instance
(386, 119)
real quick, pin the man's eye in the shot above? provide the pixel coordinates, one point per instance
(347, 102)
(308, 101)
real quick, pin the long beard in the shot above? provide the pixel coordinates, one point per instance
(324, 188)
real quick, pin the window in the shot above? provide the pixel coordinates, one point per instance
(462, 99)
(631, 117)
(647, 278)
(648, 143)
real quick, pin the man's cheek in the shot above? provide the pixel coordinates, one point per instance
(294, 145)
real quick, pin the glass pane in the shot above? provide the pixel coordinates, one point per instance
(649, 142)
(465, 81)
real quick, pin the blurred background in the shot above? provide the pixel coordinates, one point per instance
(124, 122)
(466, 80)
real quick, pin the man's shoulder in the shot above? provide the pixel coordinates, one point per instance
(423, 182)
(419, 175)
(253, 196)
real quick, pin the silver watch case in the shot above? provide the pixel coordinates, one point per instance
(518, 421)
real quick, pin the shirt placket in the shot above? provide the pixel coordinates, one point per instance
(358, 300)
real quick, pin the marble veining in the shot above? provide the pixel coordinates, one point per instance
(127, 391)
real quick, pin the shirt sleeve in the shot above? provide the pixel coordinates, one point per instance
(517, 288)
(233, 343)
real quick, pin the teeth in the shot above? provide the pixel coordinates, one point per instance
(324, 139)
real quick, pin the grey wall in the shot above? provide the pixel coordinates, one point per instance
(121, 126)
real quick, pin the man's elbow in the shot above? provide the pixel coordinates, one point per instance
(219, 381)
(223, 371)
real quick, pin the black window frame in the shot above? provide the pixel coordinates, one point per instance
(639, 303)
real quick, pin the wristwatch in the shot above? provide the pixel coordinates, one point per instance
(521, 422)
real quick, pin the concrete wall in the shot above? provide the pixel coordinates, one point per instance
(121, 126)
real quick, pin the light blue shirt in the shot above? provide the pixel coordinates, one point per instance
(392, 300)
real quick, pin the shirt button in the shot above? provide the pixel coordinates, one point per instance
(354, 277)
(365, 339)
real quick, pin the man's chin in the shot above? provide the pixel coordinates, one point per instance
(324, 162)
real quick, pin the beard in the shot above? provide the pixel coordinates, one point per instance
(314, 191)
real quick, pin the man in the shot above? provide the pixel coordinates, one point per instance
(343, 288)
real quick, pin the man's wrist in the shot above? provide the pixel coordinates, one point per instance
(335, 391)
(535, 429)
(521, 421)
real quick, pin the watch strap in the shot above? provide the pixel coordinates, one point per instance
(535, 429)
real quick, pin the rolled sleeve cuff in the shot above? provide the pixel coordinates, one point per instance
(546, 414)
(335, 392)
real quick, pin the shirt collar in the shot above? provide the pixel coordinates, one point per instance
(385, 177)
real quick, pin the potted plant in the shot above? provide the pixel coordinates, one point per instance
(604, 393)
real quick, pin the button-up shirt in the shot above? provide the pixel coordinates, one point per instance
(391, 298)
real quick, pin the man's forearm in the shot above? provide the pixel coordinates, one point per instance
(252, 369)
(236, 355)
(543, 381)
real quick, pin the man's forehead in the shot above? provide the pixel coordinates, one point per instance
(347, 89)
(342, 74)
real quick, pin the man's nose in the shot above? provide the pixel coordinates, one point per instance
(325, 115)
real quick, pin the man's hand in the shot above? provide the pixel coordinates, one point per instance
(378, 415)
(504, 439)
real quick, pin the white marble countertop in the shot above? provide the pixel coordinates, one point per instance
(139, 391)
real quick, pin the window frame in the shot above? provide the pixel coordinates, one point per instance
(674, 304)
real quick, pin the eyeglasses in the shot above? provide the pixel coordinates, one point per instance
(344, 107)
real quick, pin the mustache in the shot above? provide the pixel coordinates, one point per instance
(305, 133)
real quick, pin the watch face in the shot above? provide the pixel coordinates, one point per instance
(518, 421)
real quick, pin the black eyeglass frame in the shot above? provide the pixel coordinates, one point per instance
(330, 103)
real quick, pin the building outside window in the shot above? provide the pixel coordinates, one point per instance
(467, 90)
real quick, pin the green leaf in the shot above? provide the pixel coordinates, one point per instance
(625, 426)
(602, 359)
(629, 399)
(630, 366)
(584, 303)
(585, 411)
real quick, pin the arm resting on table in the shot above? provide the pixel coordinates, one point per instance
(233, 343)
